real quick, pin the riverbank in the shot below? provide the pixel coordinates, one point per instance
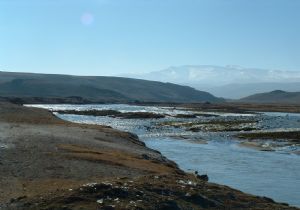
(223, 106)
(231, 107)
(48, 163)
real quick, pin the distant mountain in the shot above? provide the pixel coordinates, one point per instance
(237, 91)
(228, 81)
(277, 96)
(97, 89)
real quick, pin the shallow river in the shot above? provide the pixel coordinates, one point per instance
(273, 174)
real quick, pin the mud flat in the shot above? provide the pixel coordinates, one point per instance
(268, 140)
(48, 163)
(214, 125)
(290, 136)
(114, 113)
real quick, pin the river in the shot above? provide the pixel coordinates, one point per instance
(274, 174)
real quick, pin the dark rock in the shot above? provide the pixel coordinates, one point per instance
(91, 112)
(117, 193)
(140, 115)
(194, 129)
(146, 157)
(168, 205)
(108, 208)
(231, 196)
(203, 177)
(201, 201)
(269, 199)
(73, 199)
(185, 116)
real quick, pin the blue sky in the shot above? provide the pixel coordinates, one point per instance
(109, 37)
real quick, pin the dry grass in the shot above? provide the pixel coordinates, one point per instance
(115, 157)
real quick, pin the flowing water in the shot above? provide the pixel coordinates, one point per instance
(273, 174)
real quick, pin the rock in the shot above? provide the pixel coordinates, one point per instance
(168, 205)
(145, 156)
(203, 177)
(185, 116)
(108, 208)
(201, 201)
(73, 199)
(269, 199)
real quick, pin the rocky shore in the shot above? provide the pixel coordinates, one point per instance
(48, 163)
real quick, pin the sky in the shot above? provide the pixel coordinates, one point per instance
(113, 37)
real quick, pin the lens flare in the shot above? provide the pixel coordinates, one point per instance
(87, 19)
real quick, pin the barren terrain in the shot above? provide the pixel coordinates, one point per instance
(48, 163)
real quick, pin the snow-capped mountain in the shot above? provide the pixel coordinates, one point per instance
(219, 75)
(216, 79)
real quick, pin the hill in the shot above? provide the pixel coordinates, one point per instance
(237, 91)
(277, 96)
(95, 89)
